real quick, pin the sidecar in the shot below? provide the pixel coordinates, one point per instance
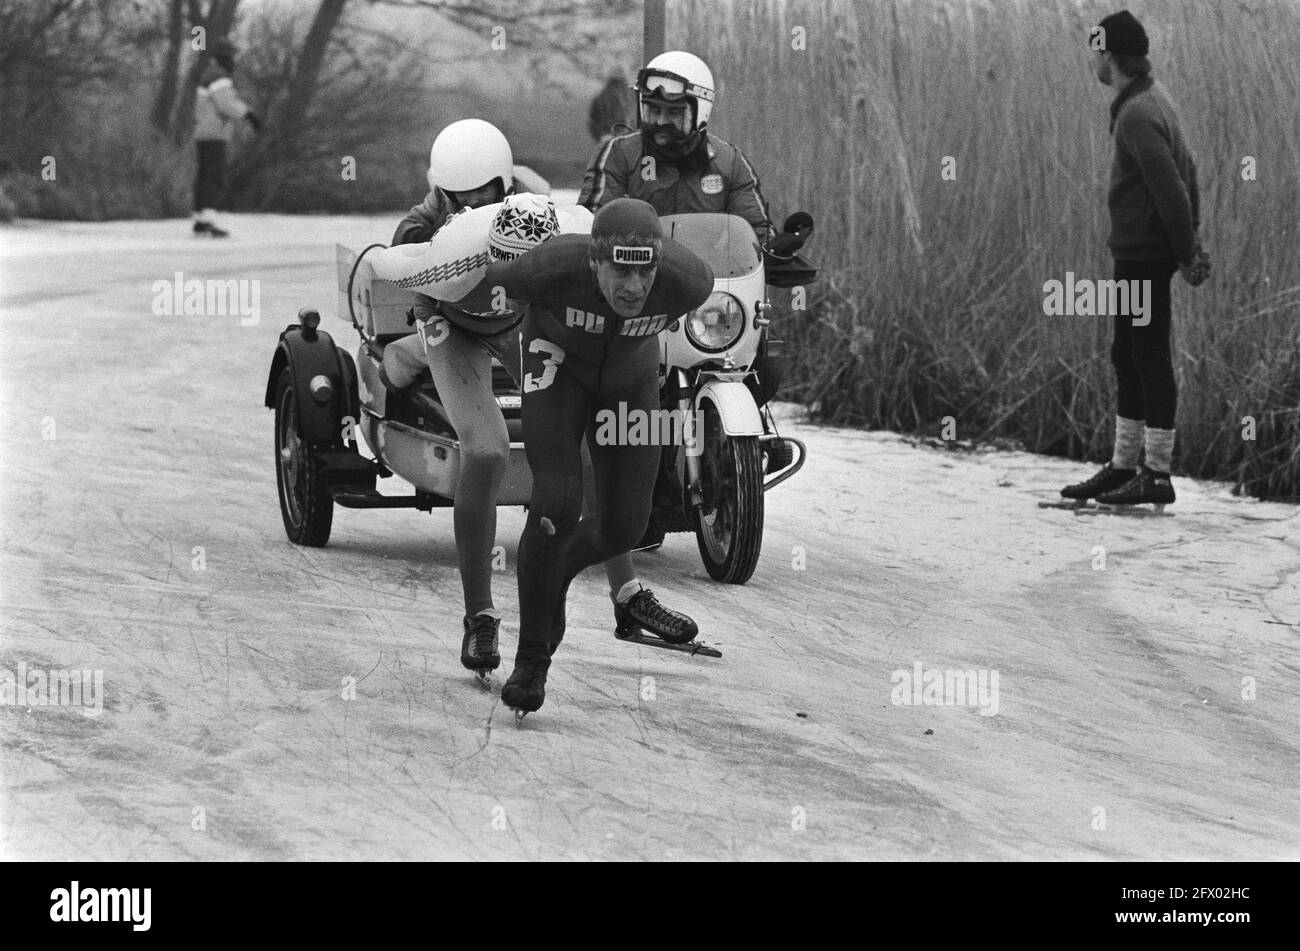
(322, 399)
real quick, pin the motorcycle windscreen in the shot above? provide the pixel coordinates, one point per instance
(726, 242)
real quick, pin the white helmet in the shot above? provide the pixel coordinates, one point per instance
(677, 75)
(469, 154)
(521, 224)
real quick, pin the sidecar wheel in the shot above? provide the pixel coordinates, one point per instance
(306, 505)
(729, 525)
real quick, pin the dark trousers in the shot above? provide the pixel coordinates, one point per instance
(210, 180)
(1142, 356)
(559, 405)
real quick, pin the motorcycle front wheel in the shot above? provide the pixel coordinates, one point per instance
(729, 523)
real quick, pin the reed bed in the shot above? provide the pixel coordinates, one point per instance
(930, 301)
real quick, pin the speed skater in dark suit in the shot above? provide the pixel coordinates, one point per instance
(594, 307)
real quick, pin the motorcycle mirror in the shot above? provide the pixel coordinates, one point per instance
(793, 234)
(800, 223)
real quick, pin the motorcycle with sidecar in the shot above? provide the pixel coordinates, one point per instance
(322, 399)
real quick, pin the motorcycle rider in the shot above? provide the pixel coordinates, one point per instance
(594, 308)
(471, 166)
(689, 169)
(673, 162)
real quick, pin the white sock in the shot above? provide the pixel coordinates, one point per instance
(1160, 449)
(492, 613)
(208, 215)
(626, 592)
(1128, 443)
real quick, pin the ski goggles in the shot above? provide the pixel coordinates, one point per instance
(670, 85)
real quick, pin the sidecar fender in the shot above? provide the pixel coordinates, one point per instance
(735, 405)
(308, 354)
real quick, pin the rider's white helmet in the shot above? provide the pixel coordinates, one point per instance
(678, 75)
(521, 224)
(468, 155)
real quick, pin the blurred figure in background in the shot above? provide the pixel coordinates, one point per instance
(217, 108)
(609, 109)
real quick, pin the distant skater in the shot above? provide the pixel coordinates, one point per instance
(217, 107)
(1154, 217)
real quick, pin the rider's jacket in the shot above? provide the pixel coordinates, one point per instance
(565, 305)
(716, 177)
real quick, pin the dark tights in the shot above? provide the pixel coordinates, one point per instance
(1144, 366)
(556, 545)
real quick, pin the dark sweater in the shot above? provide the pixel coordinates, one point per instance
(1153, 198)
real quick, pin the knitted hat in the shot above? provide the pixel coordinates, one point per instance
(522, 223)
(1123, 34)
(627, 231)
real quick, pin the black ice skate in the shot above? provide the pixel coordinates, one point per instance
(206, 229)
(1148, 486)
(478, 649)
(643, 610)
(525, 691)
(665, 627)
(1106, 479)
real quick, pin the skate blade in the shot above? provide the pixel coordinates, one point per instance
(484, 679)
(690, 647)
(1072, 505)
(1157, 510)
(519, 716)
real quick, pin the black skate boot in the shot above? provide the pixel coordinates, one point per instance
(525, 691)
(1147, 486)
(1107, 479)
(478, 650)
(643, 610)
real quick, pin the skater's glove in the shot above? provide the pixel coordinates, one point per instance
(252, 119)
(1197, 270)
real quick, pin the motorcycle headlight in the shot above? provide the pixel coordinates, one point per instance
(717, 323)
